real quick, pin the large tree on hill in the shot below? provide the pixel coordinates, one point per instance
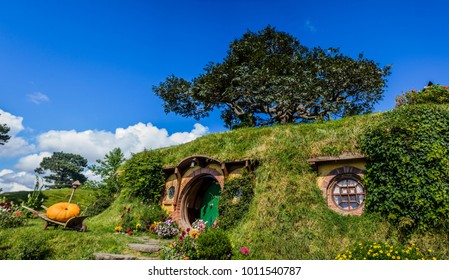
(63, 168)
(268, 78)
(4, 137)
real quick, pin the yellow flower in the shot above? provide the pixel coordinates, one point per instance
(118, 228)
(399, 257)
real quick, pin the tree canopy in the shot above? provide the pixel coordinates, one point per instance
(63, 169)
(4, 137)
(268, 78)
(107, 170)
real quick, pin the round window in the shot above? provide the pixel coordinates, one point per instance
(171, 192)
(348, 193)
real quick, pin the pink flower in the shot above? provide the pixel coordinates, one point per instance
(244, 250)
(17, 213)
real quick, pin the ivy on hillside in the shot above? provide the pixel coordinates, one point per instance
(407, 177)
(235, 200)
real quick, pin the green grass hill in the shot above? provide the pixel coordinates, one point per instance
(288, 217)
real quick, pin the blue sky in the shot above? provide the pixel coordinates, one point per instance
(77, 75)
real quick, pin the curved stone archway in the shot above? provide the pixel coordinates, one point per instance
(194, 185)
(198, 191)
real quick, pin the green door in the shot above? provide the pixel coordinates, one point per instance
(209, 205)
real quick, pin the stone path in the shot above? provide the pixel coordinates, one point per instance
(149, 246)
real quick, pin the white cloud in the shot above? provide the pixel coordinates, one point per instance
(95, 145)
(16, 145)
(31, 162)
(37, 98)
(12, 181)
(13, 122)
(309, 26)
(91, 144)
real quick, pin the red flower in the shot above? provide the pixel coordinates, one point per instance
(124, 207)
(130, 232)
(123, 215)
(244, 250)
(129, 209)
(183, 233)
(188, 229)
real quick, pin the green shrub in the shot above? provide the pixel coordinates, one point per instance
(384, 251)
(235, 200)
(407, 176)
(142, 176)
(213, 244)
(434, 94)
(103, 199)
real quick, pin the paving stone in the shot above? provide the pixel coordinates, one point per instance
(107, 256)
(147, 248)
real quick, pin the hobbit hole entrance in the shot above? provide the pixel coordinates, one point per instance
(201, 201)
(193, 187)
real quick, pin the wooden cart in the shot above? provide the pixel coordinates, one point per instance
(74, 223)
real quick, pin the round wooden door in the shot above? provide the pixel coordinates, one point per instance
(209, 205)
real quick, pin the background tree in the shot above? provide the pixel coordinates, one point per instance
(4, 137)
(64, 168)
(268, 78)
(107, 170)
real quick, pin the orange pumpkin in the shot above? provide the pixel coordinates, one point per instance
(63, 211)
